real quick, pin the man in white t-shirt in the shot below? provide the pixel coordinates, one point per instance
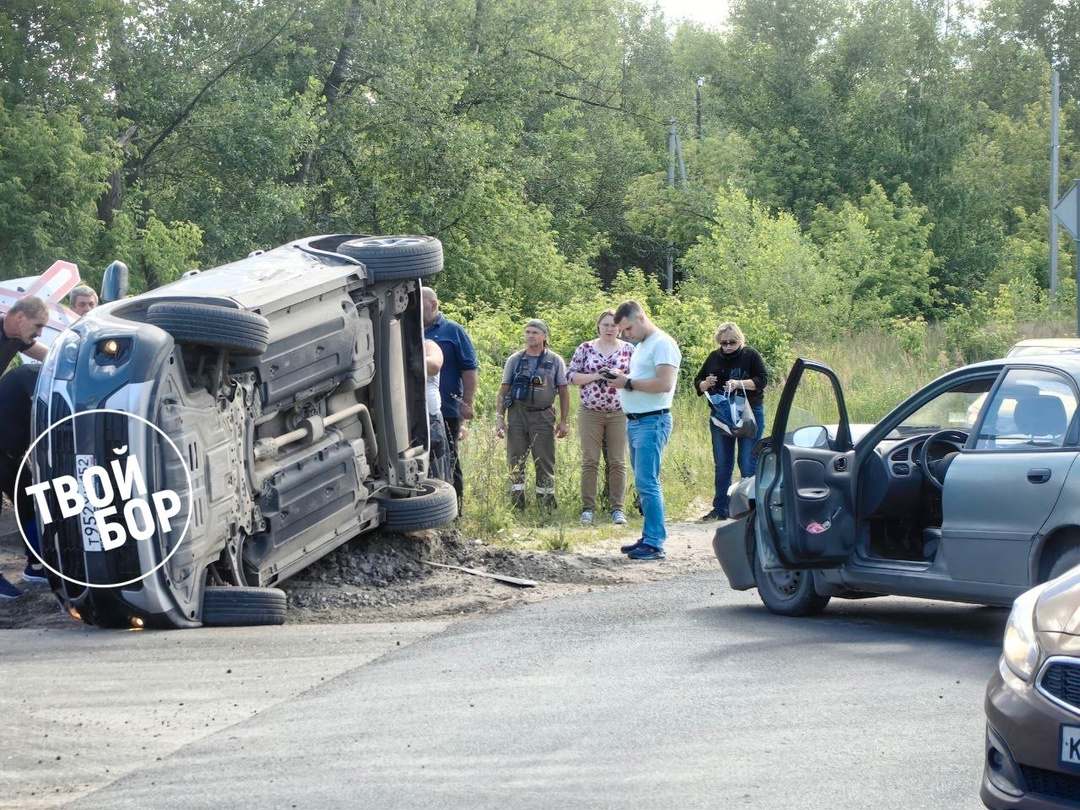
(646, 394)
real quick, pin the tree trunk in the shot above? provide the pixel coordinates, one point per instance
(332, 87)
(113, 196)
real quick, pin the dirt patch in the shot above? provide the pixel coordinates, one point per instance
(385, 577)
(37, 607)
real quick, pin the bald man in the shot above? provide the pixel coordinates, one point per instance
(457, 378)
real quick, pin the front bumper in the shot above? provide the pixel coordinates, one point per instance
(1021, 768)
(126, 386)
(732, 549)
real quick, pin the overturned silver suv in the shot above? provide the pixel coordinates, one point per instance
(282, 395)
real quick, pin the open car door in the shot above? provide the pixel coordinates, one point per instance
(805, 477)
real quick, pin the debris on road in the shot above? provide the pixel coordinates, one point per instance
(523, 583)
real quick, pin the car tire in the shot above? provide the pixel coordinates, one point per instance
(406, 510)
(392, 258)
(787, 593)
(232, 606)
(1068, 559)
(236, 330)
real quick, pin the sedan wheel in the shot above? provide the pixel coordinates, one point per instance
(788, 593)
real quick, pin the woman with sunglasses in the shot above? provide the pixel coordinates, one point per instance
(732, 368)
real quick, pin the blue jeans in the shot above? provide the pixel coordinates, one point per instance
(723, 451)
(647, 438)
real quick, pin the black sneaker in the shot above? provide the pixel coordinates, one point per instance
(646, 552)
(631, 546)
(7, 590)
(35, 574)
(713, 515)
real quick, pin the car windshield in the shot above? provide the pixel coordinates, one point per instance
(956, 408)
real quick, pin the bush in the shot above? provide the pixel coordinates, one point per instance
(910, 333)
(972, 336)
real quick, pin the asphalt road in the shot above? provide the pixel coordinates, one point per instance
(676, 694)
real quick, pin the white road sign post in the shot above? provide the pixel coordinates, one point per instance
(1067, 212)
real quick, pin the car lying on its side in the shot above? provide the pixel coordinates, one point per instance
(967, 491)
(291, 385)
(1033, 703)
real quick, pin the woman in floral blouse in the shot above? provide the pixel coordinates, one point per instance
(601, 422)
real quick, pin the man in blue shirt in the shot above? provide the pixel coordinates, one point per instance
(457, 379)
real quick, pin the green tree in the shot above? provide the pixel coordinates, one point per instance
(49, 183)
(750, 256)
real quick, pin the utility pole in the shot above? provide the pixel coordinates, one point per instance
(697, 104)
(672, 140)
(675, 157)
(1055, 149)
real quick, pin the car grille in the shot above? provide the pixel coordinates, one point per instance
(125, 560)
(62, 544)
(1051, 783)
(1061, 681)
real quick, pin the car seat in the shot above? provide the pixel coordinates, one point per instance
(1042, 417)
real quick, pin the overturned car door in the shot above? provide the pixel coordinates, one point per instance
(805, 480)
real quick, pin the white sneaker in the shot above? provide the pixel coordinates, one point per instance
(618, 517)
(586, 518)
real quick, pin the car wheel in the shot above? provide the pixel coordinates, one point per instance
(1067, 560)
(237, 330)
(391, 258)
(788, 593)
(232, 606)
(432, 505)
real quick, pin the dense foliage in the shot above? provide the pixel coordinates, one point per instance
(861, 164)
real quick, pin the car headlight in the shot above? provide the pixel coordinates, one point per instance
(1020, 648)
(67, 355)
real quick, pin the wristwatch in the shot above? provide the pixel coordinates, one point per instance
(629, 384)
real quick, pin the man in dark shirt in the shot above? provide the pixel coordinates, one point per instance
(20, 329)
(16, 402)
(457, 379)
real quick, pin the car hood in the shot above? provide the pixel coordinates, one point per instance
(858, 430)
(1058, 608)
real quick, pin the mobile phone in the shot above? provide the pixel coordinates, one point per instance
(607, 373)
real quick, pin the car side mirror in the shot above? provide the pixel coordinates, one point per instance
(114, 284)
(810, 436)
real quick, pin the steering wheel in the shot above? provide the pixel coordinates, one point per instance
(951, 437)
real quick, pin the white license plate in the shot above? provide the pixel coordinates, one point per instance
(1070, 745)
(91, 538)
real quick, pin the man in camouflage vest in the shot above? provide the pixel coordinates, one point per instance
(532, 378)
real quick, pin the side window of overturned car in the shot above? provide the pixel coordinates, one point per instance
(1032, 409)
